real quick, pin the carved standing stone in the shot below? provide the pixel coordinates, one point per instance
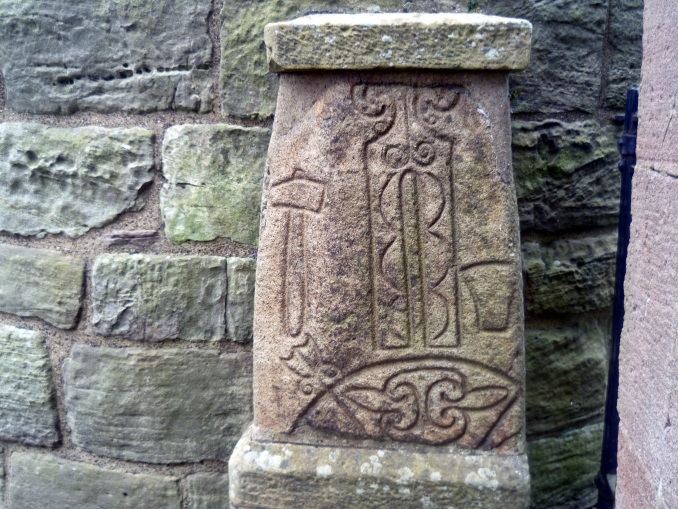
(388, 309)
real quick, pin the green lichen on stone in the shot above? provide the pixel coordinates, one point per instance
(213, 182)
(240, 302)
(27, 394)
(152, 297)
(44, 480)
(70, 180)
(41, 283)
(157, 406)
(207, 491)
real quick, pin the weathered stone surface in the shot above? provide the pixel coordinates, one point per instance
(69, 180)
(570, 275)
(566, 376)
(118, 55)
(567, 51)
(563, 468)
(43, 480)
(566, 174)
(398, 41)
(2, 473)
(27, 406)
(247, 89)
(240, 302)
(41, 283)
(153, 297)
(207, 491)
(157, 406)
(273, 476)
(213, 186)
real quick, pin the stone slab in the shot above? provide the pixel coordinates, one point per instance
(240, 302)
(207, 491)
(69, 180)
(41, 283)
(626, 51)
(27, 393)
(43, 480)
(213, 182)
(110, 56)
(157, 406)
(398, 41)
(153, 297)
(272, 476)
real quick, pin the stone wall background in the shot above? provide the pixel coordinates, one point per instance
(129, 237)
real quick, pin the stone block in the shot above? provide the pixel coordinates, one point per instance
(207, 491)
(240, 302)
(154, 297)
(69, 180)
(566, 174)
(247, 89)
(398, 41)
(213, 182)
(566, 376)
(563, 468)
(27, 394)
(116, 55)
(44, 480)
(41, 283)
(574, 275)
(157, 406)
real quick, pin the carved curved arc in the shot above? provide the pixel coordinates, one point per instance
(493, 288)
(433, 108)
(306, 361)
(374, 104)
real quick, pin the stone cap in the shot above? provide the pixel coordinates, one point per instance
(450, 41)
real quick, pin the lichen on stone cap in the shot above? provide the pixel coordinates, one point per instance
(447, 41)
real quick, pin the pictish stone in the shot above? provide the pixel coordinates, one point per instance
(240, 303)
(44, 480)
(570, 275)
(207, 491)
(41, 283)
(27, 394)
(566, 174)
(213, 182)
(70, 180)
(153, 297)
(157, 406)
(116, 55)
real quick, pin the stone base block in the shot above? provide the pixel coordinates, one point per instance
(296, 476)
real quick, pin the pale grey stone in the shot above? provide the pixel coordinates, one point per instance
(240, 301)
(157, 406)
(38, 481)
(153, 297)
(69, 180)
(116, 55)
(27, 395)
(570, 275)
(207, 491)
(41, 283)
(213, 182)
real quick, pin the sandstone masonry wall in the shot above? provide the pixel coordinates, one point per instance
(133, 138)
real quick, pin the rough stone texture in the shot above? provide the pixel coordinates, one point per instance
(240, 301)
(398, 41)
(69, 180)
(213, 182)
(247, 89)
(570, 275)
(27, 395)
(2, 473)
(563, 468)
(41, 283)
(207, 491)
(566, 376)
(43, 480)
(566, 174)
(119, 55)
(565, 68)
(157, 406)
(153, 297)
(274, 475)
